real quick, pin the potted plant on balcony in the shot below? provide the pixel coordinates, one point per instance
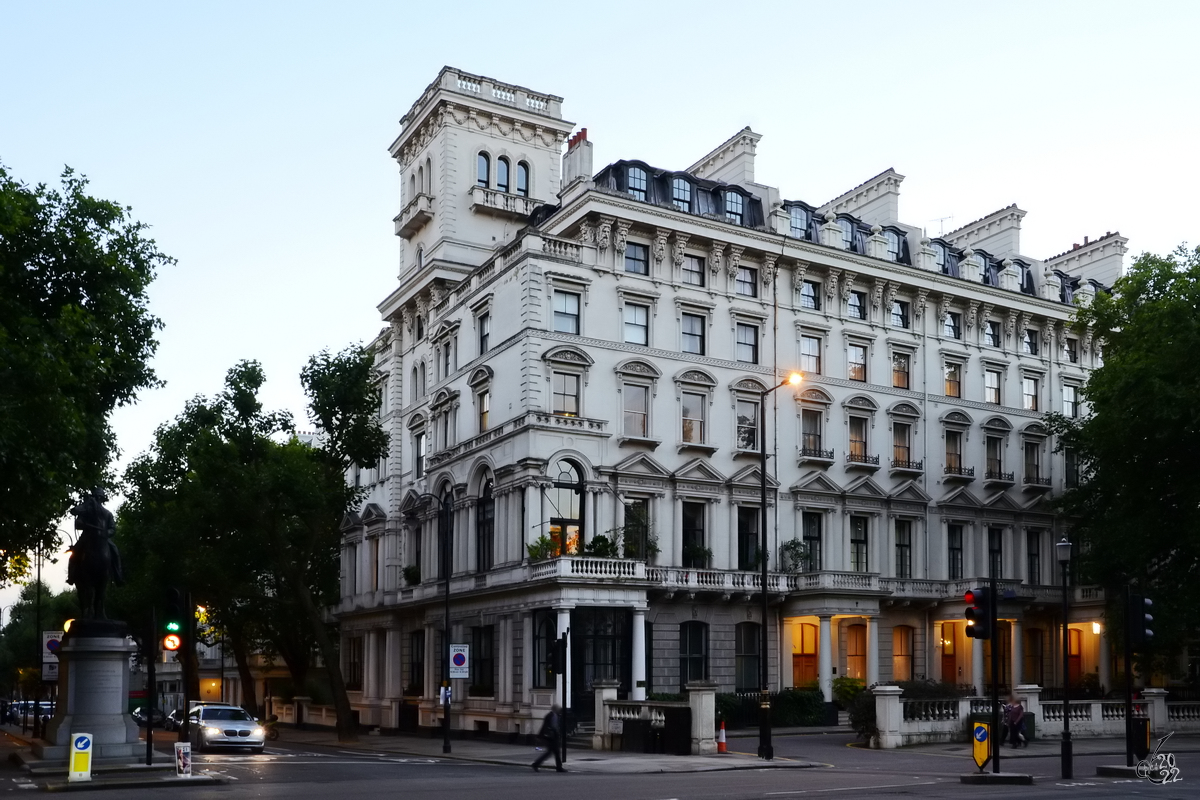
(793, 555)
(542, 548)
(697, 556)
(602, 546)
(412, 575)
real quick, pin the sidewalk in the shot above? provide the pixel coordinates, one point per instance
(519, 755)
(1052, 748)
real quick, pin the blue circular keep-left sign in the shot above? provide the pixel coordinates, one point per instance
(82, 742)
(459, 659)
(980, 733)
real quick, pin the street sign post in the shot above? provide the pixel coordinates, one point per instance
(460, 661)
(51, 641)
(81, 758)
(981, 744)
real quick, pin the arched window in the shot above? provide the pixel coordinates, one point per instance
(544, 636)
(693, 652)
(421, 178)
(412, 186)
(847, 233)
(746, 652)
(733, 207)
(502, 174)
(522, 179)
(485, 523)
(681, 194)
(566, 508)
(428, 187)
(799, 222)
(635, 182)
(422, 382)
(420, 259)
(484, 171)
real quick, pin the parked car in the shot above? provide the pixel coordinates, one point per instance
(174, 720)
(141, 713)
(214, 725)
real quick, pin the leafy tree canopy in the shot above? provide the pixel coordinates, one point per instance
(76, 338)
(1138, 505)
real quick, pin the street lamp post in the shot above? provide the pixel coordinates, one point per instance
(765, 749)
(445, 511)
(1063, 549)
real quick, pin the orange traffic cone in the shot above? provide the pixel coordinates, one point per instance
(721, 739)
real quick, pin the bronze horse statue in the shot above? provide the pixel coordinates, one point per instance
(94, 557)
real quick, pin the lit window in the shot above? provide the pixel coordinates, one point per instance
(858, 439)
(637, 324)
(566, 312)
(681, 194)
(902, 443)
(810, 432)
(733, 207)
(693, 334)
(746, 283)
(901, 363)
(693, 270)
(747, 343)
(636, 183)
(953, 380)
(485, 406)
(953, 452)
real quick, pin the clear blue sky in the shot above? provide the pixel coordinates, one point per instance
(252, 136)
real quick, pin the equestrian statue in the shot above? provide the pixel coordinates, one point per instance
(95, 559)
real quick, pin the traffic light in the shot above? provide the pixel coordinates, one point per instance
(979, 613)
(172, 641)
(173, 612)
(1139, 619)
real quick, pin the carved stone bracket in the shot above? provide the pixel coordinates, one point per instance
(734, 263)
(919, 311)
(622, 237)
(799, 270)
(677, 251)
(972, 315)
(877, 288)
(1010, 324)
(587, 232)
(987, 311)
(1022, 324)
(714, 257)
(831, 284)
(660, 245)
(768, 269)
(604, 233)
(892, 289)
(848, 284)
(1087, 341)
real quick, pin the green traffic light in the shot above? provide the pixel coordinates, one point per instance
(173, 627)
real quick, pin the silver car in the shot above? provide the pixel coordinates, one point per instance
(224, 726)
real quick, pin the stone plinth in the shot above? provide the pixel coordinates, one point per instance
(93, 692)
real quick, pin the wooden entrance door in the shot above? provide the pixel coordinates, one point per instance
(804, 655)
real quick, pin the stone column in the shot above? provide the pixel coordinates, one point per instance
(887, 716)
(1031, 696)
(638, 690)
(391, 664)
(505, 643)
(1104, 659)
(591, 525)
(872, 650)
(533, 520)
(528, 660)
(1017, 650)
(977, 665)
(564, 622)
(786, 646)
(370, 664)
(825, 658)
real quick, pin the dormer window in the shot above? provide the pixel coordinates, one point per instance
(483, 170)
(522, 179)
(635, 180)
(502, 174)
(893, 245)
(681, 194)
(939, 255)
(733, 207)
(799, 222)
(847, 233)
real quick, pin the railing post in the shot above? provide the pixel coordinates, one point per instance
(702, 698)
(1033, 701)
(888, 717)
(1156, 709)
(606, 691)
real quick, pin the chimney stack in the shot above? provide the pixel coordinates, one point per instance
(577, 163)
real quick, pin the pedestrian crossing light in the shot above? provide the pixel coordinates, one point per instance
(1140, 618)
(979, 613)
(172, 620)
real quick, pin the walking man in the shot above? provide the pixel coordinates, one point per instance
(549, 736)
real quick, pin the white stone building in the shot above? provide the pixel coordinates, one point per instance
(573, 353)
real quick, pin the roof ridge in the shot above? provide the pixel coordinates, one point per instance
(1086, 243)
(981, 219)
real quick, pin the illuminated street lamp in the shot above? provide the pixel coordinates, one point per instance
(765, 749)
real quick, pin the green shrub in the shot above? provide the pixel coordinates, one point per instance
(603, 547)
(845, 689)
(412, 575)
(542, 548)
(862, 716)
(789, 708)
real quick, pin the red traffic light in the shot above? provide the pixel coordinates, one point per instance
(969, 598)
(172, 641)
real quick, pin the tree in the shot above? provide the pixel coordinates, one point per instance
(76, 338)
(1137, 509)
(248, 522)
(20, 640)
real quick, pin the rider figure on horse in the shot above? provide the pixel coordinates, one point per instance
(95, 522)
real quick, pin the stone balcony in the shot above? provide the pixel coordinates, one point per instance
(414, 216)
(501, 204)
